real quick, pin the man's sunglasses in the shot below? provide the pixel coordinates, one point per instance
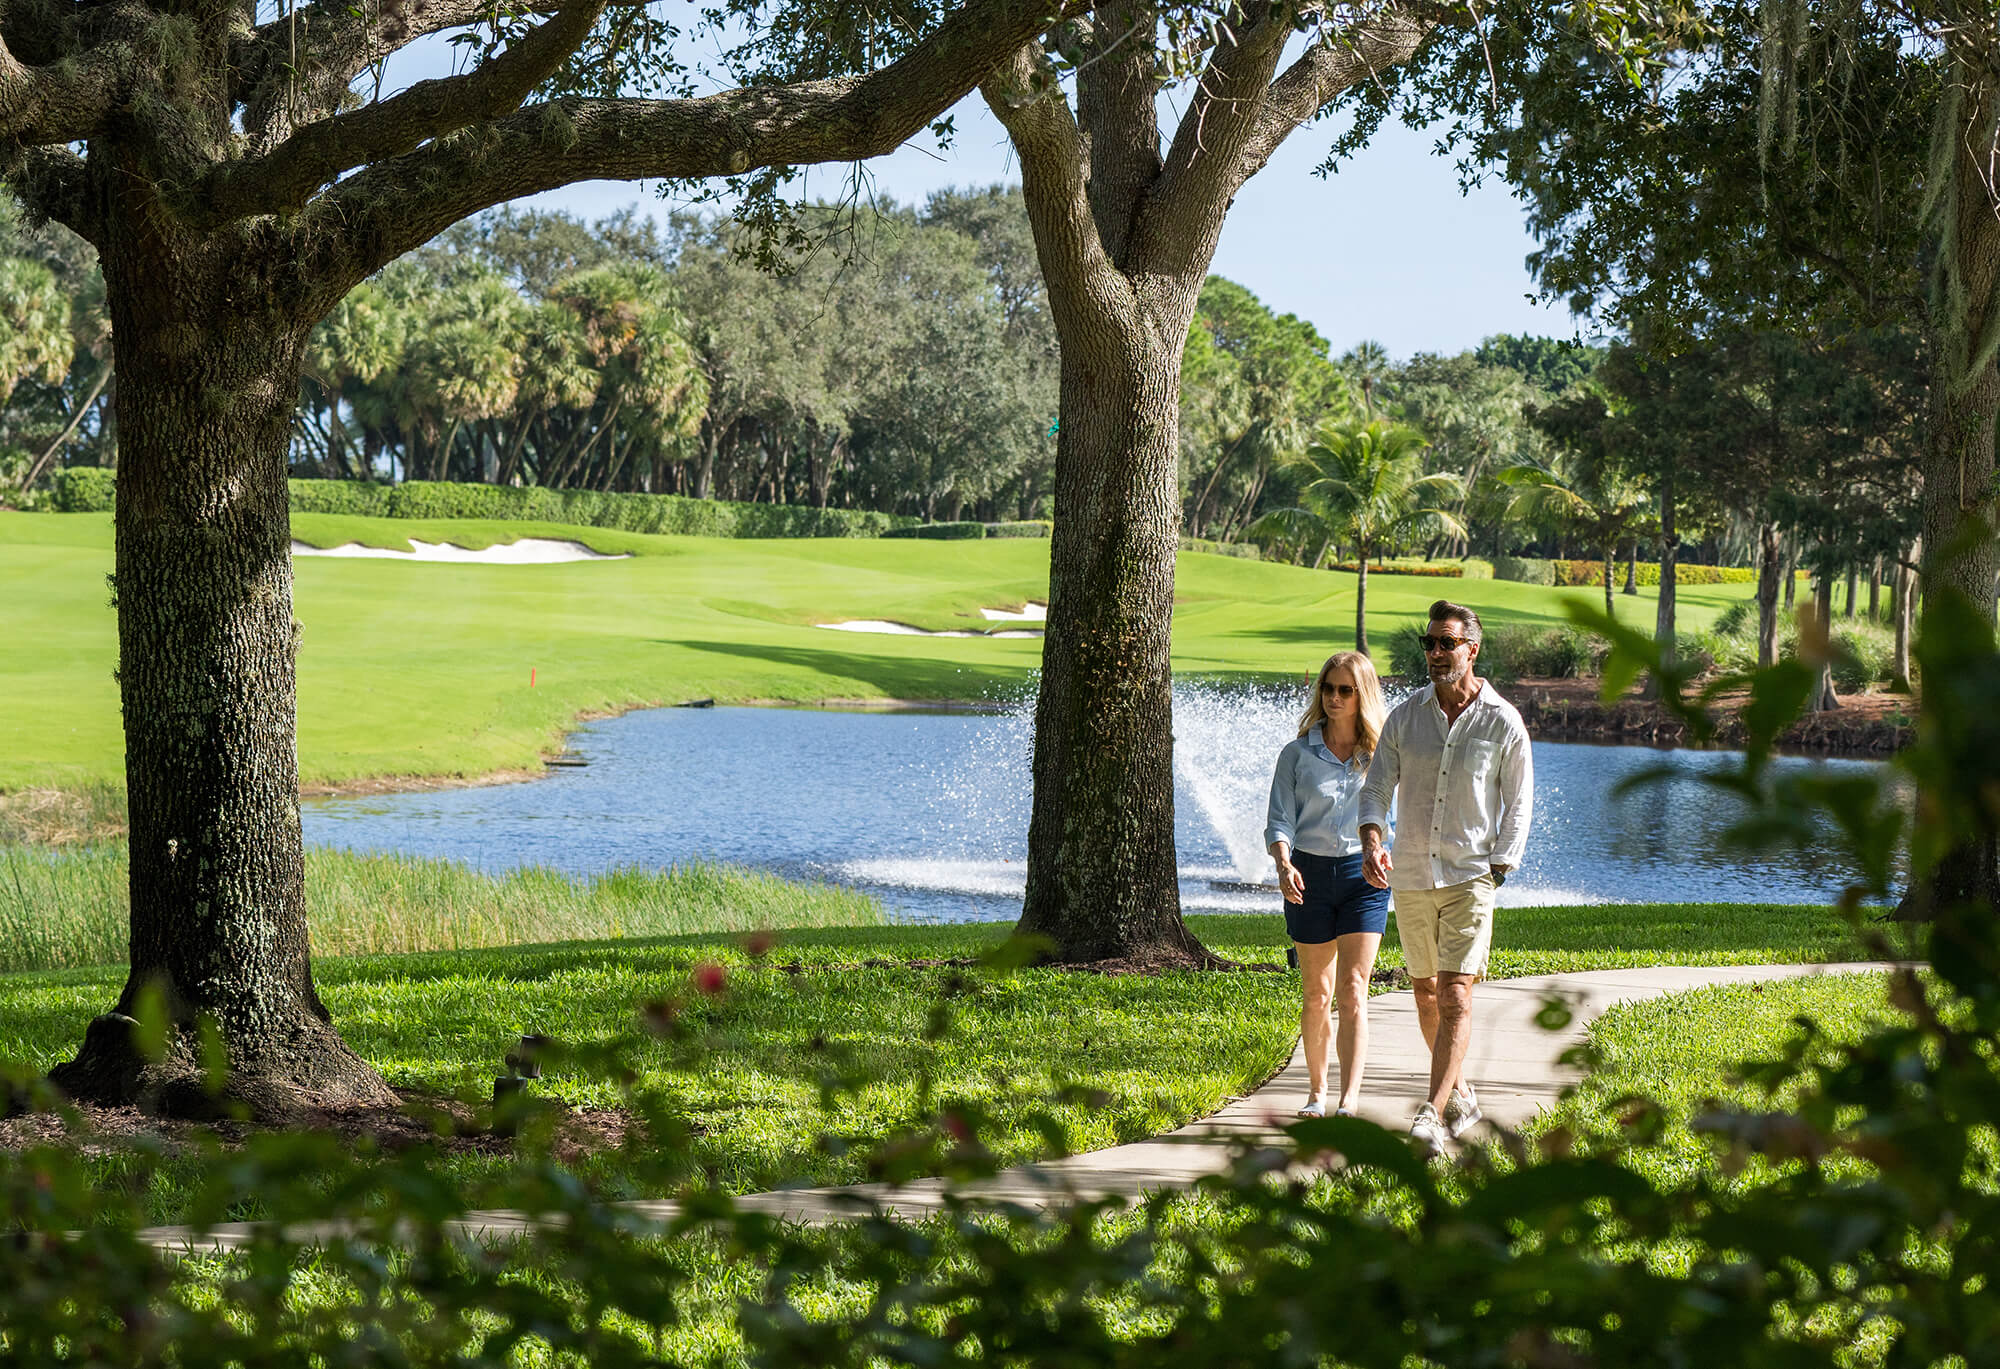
(1430, 644)
(1339, 691)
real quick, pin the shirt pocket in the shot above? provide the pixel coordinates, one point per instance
(1481, 759)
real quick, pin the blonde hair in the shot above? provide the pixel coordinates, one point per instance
(1372, 712)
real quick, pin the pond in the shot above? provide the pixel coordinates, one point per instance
(929, 811)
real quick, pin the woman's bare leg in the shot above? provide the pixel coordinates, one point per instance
(1356, 962)
(1316, 1009)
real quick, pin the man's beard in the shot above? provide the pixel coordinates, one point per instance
(1451, 675)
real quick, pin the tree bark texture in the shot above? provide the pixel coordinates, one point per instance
(207, 646)
(1961, 556)
(1103, 878)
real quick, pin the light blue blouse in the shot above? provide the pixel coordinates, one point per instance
(1316, 799)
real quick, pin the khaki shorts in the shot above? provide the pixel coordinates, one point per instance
(1446, 929)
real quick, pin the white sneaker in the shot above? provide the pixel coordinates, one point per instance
(1312, 1107)
(1461, 1111)
(1427, 1131)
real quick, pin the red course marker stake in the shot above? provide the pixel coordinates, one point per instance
(531, 677)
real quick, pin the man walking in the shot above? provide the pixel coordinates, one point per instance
(1455, 759)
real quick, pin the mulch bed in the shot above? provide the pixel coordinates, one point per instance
(447, 1125)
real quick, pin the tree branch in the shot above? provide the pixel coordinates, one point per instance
(1337, 61)
(52, 183)
(1117, 112)
(285, 179)
(65, 101)
(1026, 95)
(308, 59)
(374, 216)
(1205, 166)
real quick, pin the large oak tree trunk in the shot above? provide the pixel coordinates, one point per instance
(206, 644)
(1103, 877)
(1125, 225)
(1960, 556)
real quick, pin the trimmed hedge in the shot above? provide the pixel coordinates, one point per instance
(1440, 569)
(341, 496)
(1246, 550)
(942, 532)
(1026, 527)
(1530, 570)
(1524, 570)
(85, 489)
(670, 514)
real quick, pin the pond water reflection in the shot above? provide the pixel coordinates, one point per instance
(930, 811)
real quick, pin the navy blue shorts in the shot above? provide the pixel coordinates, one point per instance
(1338, 900)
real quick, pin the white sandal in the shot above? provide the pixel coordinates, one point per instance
(1312, 1107)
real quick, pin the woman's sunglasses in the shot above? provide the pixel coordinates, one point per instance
(1338, 690)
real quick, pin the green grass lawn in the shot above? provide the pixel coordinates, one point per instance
(855, 1003)
(423, 668)
(1686, 1050)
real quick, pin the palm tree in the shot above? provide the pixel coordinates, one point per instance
(1367, 363)
(361, 339)
(1366, 481)
(1603, 504)
(35, 340)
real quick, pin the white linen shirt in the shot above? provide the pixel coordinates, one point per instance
(1313, 798)
(1464, 791)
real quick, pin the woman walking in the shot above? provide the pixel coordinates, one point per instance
(1334, 916)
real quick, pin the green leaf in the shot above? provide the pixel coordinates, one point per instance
(1363, 1143)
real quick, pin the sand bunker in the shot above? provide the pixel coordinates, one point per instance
(528, 551)
(883, 625)
(1032, 613)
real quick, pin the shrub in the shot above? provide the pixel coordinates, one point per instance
(1525, 570)
(1026, 527)
(1406, 658)
(1738, 618)
(86, 489)
(1473, 568)
(1714, 652)
(1863, 655)
(941, 532)
(1513, 650)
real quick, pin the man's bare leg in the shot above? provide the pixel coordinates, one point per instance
(1448, 1031)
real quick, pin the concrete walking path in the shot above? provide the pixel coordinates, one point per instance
(1513, 1065)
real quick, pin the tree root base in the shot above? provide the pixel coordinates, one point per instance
(306, 1071)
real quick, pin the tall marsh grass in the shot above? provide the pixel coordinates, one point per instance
(61, 909)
